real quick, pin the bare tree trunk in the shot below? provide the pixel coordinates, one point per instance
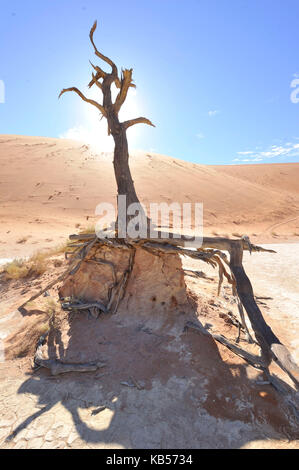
(110, 110)
(125, 183)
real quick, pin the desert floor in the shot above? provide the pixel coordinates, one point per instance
(203, 396)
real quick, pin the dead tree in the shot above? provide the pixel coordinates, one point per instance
(271, 347)
(109, 110)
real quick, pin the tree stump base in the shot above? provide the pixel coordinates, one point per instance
(132, 282)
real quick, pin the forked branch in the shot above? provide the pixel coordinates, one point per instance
(125, 83)
(99, 74)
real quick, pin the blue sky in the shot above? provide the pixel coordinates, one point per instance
(214, 76)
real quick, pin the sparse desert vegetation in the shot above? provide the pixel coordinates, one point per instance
(90, 228)
(34, 266)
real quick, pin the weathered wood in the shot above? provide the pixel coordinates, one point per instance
(162, 238)
(290, 399)
(57, 367)
(253, 360)
(83, 306)
(271, 346)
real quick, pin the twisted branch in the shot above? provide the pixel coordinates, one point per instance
(88, 100)
(140, 120)
(99, 54)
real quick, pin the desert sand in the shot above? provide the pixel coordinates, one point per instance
(193, 392)
(49, 186)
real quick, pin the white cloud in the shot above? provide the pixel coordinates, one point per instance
(93, 130)
(200, 135)
(213, 112)
(275, 151)
(256, 159)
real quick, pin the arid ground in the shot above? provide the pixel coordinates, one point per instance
(193, 392)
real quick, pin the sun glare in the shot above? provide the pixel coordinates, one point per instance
(92, 130)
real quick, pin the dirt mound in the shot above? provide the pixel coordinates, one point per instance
(155, 286)
(153, 300)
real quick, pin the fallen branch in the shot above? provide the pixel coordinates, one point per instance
(253, 360)
(137, 384)
(83, 306)
(57, 367)
(291, 399)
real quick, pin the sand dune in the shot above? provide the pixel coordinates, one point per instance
(48, 186)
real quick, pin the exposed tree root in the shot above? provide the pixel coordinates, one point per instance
(271, 347)
(84, 306)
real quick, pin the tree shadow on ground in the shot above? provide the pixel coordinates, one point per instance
(192, 392)
(204, 402)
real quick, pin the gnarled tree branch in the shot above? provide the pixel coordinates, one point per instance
(140, 120)
(99, 74)
(125, 83)
(96, 81)
(88, 100)
(99, 54)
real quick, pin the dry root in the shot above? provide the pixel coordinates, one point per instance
(211, 253)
